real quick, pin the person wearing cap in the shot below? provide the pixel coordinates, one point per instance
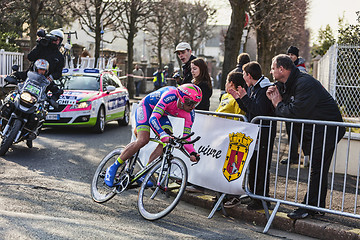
(299, 62)
(183, 51)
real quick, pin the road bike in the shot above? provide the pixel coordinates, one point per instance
(167, 174)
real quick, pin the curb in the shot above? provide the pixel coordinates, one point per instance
(312, 227)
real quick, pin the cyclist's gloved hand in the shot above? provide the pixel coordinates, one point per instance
(194, 157)
(165, 139)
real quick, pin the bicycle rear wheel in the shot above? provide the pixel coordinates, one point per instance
(100, 192)
(158, 201)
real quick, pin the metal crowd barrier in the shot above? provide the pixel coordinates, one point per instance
(236, 117)
(288, 185)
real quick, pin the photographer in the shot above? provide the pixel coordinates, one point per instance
(48, 48)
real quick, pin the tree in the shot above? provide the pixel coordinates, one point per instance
(131, 19)
(233, 37)
(196, 27)
(96, 17)
(348, 33)
(36, 13)
(194, 20)
(159, 25)
(325, 40)
(7, 41)
(278, 25)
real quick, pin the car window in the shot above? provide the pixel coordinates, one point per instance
(111, 80)
(116, 81)
(81, 82)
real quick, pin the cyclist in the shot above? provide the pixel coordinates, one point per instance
(152, 112)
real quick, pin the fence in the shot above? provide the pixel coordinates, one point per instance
(288, 185)
(7, 60)
(339, 72)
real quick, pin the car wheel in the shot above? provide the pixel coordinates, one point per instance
(125, 121)
(100, 121)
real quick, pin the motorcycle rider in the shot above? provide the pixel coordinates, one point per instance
(47, 48)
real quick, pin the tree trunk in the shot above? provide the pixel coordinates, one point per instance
(233, 37)
(130, 53)
(98, 34)
(35, 8)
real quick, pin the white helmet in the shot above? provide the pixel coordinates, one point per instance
(41, 64)
(57, 33)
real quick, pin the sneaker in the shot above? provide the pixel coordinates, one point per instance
(300, 213)
(232, 202)
(141, 179)
(110, 173)
(257, 205)
(285, 161)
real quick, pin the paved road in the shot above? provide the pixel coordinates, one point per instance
(45, 194)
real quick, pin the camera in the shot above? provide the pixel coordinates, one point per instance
(45, 39)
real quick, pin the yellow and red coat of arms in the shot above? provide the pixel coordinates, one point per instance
(236, 155)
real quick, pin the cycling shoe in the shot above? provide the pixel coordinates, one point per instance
(148, 184)
(110, 174)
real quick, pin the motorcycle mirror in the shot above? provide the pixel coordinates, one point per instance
(15, 68)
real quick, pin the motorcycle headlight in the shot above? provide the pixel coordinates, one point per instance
(81, 105)
(27, 97)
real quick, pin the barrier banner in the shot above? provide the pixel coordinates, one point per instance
(225, 149)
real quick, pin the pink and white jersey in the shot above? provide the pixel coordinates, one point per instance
(163, 102)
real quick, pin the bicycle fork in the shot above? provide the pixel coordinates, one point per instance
(165, 177)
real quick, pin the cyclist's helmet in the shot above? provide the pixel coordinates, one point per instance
(189, 94)
(41, 64)
(58, 33)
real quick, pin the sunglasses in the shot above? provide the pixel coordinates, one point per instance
(190, 103)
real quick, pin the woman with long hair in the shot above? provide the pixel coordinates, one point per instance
(201, 78)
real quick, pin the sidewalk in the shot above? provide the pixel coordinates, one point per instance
(322, 227)
(329, 226)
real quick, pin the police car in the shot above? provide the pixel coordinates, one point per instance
(91, 98)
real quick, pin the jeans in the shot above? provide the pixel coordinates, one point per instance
(137, 88)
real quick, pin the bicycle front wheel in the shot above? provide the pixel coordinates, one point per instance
(100, 192)
(159, 200)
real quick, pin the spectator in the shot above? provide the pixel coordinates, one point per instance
(200, 73)
(303, 97)
(299, 62)
(138, 78)
(218, 79)
(242, 59)
(255, 103)
(293, 53)
(166, 72)
(159, 80)
(183, 50)
(177, 78)
(228, 103)
(115, 69)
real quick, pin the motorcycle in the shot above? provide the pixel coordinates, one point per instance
(23, 110)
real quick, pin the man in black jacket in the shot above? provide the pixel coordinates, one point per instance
(183, 50)
(48, 48)
(301, 96)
